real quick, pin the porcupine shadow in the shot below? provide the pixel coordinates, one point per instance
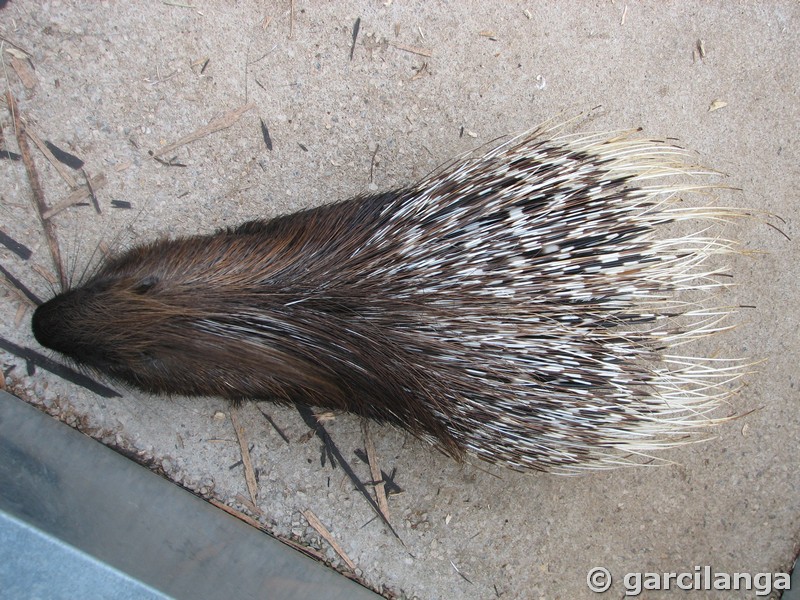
(520, 306)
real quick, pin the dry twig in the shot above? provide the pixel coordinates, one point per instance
(24, 72)
(36, 188)
(223, 122)
(412, 49)
(62, 170)
(236, 513)
(323, 531)
(375, 470)
(249, 473)
(78, 195)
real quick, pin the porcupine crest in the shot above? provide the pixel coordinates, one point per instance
(519, 306)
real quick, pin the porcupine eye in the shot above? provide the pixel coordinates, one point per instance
(145, 284)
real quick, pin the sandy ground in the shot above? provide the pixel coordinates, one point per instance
(110, 81)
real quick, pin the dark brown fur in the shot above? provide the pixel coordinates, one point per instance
(318, 352)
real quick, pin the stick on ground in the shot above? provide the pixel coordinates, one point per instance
(36, 187)
(249, 473)
(79, 194)
(375, 470)
(223, 122)
(323, 531)
(62, 170)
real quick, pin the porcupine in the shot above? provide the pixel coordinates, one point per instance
(519, 306)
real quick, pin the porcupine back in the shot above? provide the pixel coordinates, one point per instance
(519, 306)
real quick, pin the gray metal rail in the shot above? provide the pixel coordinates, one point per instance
(78, 520)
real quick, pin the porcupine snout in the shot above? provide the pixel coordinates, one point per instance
(53, 325)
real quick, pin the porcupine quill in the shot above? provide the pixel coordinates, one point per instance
(522, 306)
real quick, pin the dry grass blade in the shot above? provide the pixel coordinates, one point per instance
(412, 49)
(25, 73)
(84, 192)
(249, 473)
(62, 170)
(323, 531)
(36, 187)
(304, 549)
(249, 505)
(223, 122)
(23, 292)
(253, 523)
(375, 470)
(236, 513)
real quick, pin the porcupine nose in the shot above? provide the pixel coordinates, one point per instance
(48, 324)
